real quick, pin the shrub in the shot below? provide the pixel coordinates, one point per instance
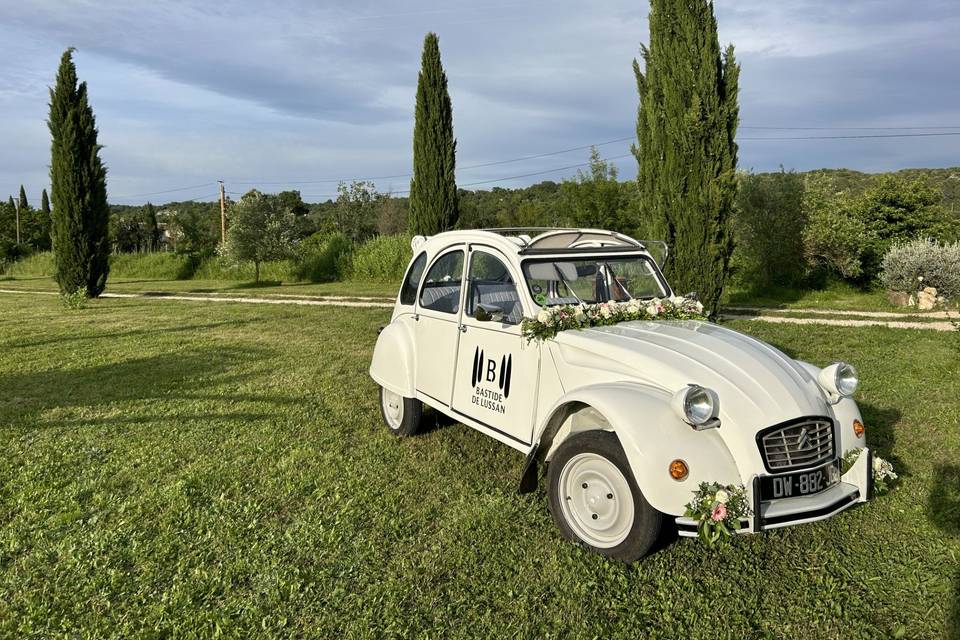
(382, 259)
(37, 264)
(938, 265)
(74, 301)
(220, 268)
(835, 236)
(768, 230)
(322, 258)
(154, 266)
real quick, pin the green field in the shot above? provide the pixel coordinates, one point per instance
(177, 469)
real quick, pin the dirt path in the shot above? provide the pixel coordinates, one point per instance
(319, 301)
(940, 315)
(759, 314)
(837, 322)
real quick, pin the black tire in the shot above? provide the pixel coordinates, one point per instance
(646, 520)
(409, 423)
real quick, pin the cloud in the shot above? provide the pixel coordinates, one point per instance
(189, 92)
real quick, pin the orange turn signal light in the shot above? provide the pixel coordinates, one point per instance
(679, 470)
(858, 428)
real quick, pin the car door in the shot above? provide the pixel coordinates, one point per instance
(438, 325)
(497, 374)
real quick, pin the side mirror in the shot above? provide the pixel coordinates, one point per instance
(488, 312)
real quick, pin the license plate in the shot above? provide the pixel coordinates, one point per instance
(801, 483)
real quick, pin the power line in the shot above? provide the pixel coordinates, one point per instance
(847, 128)
(503, 179)
(154, 193)
(461, 168)
(931, 131)
(857, 136)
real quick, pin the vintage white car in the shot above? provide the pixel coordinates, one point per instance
(629, 418)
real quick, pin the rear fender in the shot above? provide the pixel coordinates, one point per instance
(652, 436)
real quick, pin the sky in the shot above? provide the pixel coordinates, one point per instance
(295, 94)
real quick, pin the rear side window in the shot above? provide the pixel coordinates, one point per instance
(441, 288)
(408, 292)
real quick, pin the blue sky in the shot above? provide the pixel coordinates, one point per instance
(304, 93)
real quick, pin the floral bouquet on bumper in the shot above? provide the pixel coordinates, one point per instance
(717, 509)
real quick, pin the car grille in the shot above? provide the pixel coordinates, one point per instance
(797, 445)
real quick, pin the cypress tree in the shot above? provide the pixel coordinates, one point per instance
(24, 205)
(433, 189)
(686, 125)
(8, 221)
(153, 229)
(79, 230)
(41, 237)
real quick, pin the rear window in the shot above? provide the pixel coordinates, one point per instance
(408, 292)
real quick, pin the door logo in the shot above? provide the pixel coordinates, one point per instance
(485, 370)
(490, 379)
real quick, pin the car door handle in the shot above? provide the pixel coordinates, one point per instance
(463, 328)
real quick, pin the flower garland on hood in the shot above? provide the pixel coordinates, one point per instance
(552, 320)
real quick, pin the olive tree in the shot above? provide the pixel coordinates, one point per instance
(261, 228)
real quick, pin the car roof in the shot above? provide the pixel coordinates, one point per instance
(531, 241)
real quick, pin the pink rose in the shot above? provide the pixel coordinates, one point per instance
(719, 513)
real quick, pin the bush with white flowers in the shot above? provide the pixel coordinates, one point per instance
(552, 320)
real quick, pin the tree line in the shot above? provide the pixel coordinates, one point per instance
(766, 229)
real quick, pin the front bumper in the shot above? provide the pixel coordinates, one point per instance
(855, 486)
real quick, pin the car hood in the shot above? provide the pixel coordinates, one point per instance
(758, 385)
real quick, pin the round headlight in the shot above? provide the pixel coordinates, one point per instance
(697, 406)
(846, 379)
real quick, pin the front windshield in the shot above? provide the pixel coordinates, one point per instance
(592, 280)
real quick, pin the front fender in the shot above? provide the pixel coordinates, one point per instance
(652, 436)
(393, 363)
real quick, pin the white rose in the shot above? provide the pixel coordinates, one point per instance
(605, 311)
(652, 309)
(543, 317)
(722, 496)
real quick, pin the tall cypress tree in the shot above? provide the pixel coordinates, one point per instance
(41, 238)
(433, 189)
(153, 229)
(23, 205)
(81, 244)
(686, 125)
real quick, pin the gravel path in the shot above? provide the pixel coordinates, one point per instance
(836, 322)
(759, 314)
(943, 315)
(332, 301)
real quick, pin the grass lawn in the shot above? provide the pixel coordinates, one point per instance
(227, 287)
(195, 470)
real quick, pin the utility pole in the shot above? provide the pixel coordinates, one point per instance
(223, 214)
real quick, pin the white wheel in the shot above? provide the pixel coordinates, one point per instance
(401, 415)
(596, 500)
(392, 405)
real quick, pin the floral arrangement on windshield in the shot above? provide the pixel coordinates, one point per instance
(552, 320)
(718, 509)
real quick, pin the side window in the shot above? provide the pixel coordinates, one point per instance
(408, 292)
(490, 283)
(441, 288)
